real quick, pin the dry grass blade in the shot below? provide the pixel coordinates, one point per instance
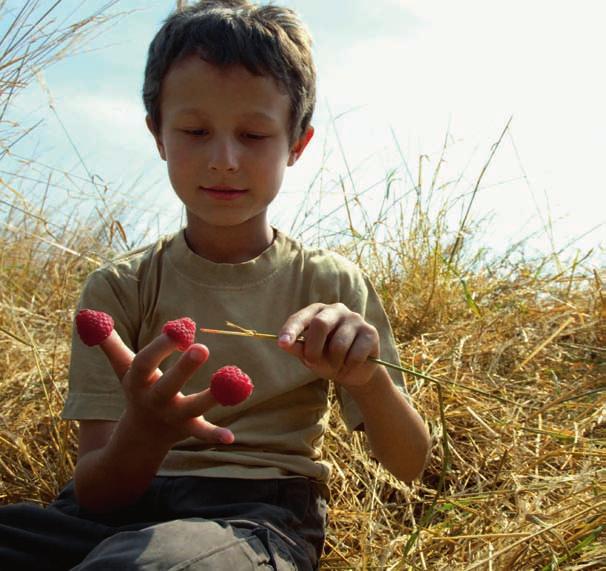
(254, 333)
(531, 536)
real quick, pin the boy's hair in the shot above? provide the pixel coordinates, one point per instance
(266, 40)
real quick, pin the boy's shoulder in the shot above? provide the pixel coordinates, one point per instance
(130, 264)
(325, 267)
(324, 258)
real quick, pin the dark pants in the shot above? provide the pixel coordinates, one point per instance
(180, 523)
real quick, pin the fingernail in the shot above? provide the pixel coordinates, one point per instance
(197, 354)
(227, 438)
(285, 338)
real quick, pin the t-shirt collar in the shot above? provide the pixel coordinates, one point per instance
(231, 276)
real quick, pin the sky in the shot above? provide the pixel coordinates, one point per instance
(402, 85)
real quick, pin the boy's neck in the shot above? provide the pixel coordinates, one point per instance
(228, 245)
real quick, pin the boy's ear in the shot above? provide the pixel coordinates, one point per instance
(157, 138)
(297, 149)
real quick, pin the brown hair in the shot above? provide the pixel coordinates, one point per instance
(266, 40)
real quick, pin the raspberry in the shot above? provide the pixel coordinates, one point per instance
(182, 331)
(93, 327)
(230, 385)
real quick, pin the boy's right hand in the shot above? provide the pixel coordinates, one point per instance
(155, 402)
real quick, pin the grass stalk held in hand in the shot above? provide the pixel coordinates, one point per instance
(243, 332)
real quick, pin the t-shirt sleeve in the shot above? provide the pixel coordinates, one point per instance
(94, 389)
(365, 300)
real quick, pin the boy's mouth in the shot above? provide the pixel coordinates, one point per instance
(223, 192)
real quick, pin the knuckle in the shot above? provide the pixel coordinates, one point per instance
(320, 323)
(369, 331)
(358, 317)
(339, 344)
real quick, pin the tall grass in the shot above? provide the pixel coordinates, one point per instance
(516, 477)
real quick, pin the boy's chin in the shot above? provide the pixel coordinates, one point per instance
(227, 221)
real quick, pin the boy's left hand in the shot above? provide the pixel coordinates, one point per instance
(337, 342)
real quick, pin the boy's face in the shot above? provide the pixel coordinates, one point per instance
(227, 130)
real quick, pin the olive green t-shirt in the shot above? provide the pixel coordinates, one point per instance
(279, 430)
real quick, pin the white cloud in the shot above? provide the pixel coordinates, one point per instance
(112, 121)
(478, 63)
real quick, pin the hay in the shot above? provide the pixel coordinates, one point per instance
(506, 487)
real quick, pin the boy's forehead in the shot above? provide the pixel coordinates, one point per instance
(194, 70)
(253, 115)
(193, 85)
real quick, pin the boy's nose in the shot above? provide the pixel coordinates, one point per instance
(223, 156)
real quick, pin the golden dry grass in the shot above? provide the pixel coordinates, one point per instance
(523, 484)
(517, 476)
(508, 487)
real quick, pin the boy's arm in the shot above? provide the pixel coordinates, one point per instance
(116, 464)
(337, 344)
(396, 432)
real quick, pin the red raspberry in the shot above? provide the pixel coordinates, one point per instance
(230, 385)
(93, 326)
(182, 331)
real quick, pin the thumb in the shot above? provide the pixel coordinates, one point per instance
(293, 346)
(208, 432)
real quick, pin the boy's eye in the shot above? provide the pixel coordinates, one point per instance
(202, 132)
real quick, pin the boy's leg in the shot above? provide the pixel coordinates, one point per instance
(271, 524)
(193, 544)
(294, 510)
(32, 537)
(61, 535)
(218, 523)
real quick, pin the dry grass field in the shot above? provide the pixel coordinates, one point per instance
(515, 348)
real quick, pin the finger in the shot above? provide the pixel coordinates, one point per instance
(197, 403)
(296, 324)
(144, 368)
(208, 432)
(172, 380)
(366, 344)
(320, 328)
(119, 355)
(340, 344)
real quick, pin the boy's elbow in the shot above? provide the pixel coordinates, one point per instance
(414, 472)
(423, 457)
(414, 465)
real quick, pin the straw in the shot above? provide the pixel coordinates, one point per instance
(243, 332)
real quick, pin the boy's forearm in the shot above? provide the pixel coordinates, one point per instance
(120, 472)
(397, 434)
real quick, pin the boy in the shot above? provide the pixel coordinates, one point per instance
(161, 481)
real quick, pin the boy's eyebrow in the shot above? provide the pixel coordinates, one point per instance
(250, 115)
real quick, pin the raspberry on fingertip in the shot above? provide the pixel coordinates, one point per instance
(93, 326)
(181, 331)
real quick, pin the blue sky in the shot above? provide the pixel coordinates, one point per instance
(396, 76)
